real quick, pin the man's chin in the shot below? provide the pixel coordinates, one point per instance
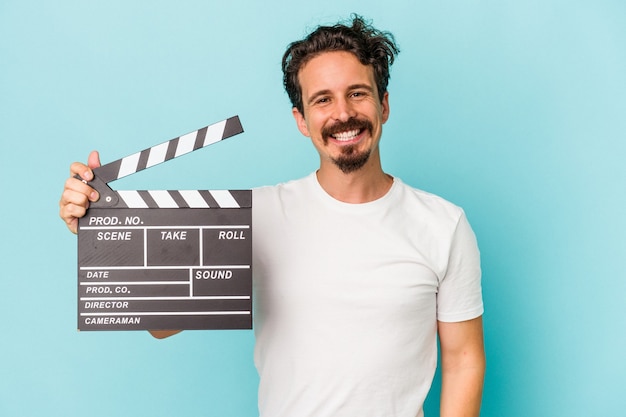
(351, 161)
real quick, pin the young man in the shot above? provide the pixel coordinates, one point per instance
(355, 273)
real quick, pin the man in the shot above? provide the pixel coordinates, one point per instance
(355, 273)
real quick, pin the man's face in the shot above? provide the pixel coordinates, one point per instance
(343, 114)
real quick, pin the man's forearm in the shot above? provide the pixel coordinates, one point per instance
(462, 367)
(461, 391)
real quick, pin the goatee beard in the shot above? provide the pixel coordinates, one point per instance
(351, 160)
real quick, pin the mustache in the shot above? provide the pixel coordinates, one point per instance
(351, 124)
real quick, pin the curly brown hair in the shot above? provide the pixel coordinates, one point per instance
(369, 45)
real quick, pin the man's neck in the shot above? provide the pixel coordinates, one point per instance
(366, 184)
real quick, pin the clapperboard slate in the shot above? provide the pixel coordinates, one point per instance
(164, 260)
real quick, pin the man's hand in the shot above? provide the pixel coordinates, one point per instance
(76, 194)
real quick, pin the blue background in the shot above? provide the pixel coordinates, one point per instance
(514, 110)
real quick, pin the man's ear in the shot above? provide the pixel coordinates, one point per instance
(300, 122)
(385, 107)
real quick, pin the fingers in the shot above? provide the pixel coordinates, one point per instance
(82, 170)
(85, 171)
(75, 201)
(70, 213)
(94, 160)
(77, 194)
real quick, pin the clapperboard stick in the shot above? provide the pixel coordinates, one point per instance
(155, 155)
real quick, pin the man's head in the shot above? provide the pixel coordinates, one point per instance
(370, 46)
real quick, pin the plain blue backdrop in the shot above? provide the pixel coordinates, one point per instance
(514, 110)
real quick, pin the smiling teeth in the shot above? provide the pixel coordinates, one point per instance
(345, 136)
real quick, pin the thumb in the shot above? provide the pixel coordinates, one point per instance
(94, 160)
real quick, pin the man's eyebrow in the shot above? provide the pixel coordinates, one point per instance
(360, 86)
(316, 95)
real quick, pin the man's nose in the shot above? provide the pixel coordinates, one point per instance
(343, 110)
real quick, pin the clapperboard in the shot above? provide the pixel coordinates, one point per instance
(165, 260)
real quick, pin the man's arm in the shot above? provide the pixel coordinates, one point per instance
(462, 367)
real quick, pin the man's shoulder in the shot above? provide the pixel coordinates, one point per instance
(427, 200)
(290, 186)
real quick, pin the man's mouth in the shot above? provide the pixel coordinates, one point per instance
(346, 131)
(346, 136)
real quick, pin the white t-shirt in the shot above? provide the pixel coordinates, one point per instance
(347, 298)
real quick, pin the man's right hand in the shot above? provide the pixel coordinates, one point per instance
(76, 194)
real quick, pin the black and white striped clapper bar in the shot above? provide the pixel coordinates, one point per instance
(166, 260)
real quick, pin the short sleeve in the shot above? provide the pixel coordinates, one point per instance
(459, 296)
